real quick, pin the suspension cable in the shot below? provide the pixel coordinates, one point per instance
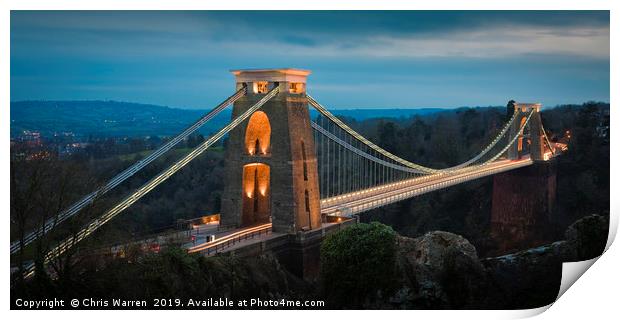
(546, 138)
(339, 199)
(373, 158)
(52, 222)
(488, 147)
(150, 185)
(418, 167)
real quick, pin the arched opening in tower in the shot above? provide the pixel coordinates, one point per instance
(258, 134)
(256, 194)
(522, 141)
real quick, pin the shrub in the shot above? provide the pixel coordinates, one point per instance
(358, 265)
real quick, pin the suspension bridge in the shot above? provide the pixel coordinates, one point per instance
(293, 174)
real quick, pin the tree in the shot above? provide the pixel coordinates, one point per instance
(510, 109)
(41, 187)
(358, 264)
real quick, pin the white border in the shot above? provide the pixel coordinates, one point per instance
(592, 295)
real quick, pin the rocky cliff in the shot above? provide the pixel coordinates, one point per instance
(441, 270)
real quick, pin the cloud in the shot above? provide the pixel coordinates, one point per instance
(359, 58)
(195, 34)
(499, 42)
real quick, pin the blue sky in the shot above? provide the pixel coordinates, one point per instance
(386, 59)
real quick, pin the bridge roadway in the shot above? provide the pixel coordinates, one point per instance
(356, 202)
(231, 238)
(238, 238)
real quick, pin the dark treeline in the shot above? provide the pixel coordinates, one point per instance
(583, 172)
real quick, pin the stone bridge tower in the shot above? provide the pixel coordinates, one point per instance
(523, 212)
(532, 137)
(271, 166)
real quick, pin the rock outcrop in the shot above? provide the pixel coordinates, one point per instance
(587, 237)
(442, 270)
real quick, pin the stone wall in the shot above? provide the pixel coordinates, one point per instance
(523, 210)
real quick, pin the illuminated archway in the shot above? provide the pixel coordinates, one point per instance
(256, 193)
(258, 134)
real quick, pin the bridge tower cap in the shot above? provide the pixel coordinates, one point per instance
(273, 75)
(527, 106)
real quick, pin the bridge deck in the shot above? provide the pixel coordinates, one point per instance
(364, 200)
(239, 238)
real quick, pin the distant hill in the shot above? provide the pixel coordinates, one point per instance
(111, 118)
(104, 118)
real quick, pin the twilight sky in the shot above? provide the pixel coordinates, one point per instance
(359, 59)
